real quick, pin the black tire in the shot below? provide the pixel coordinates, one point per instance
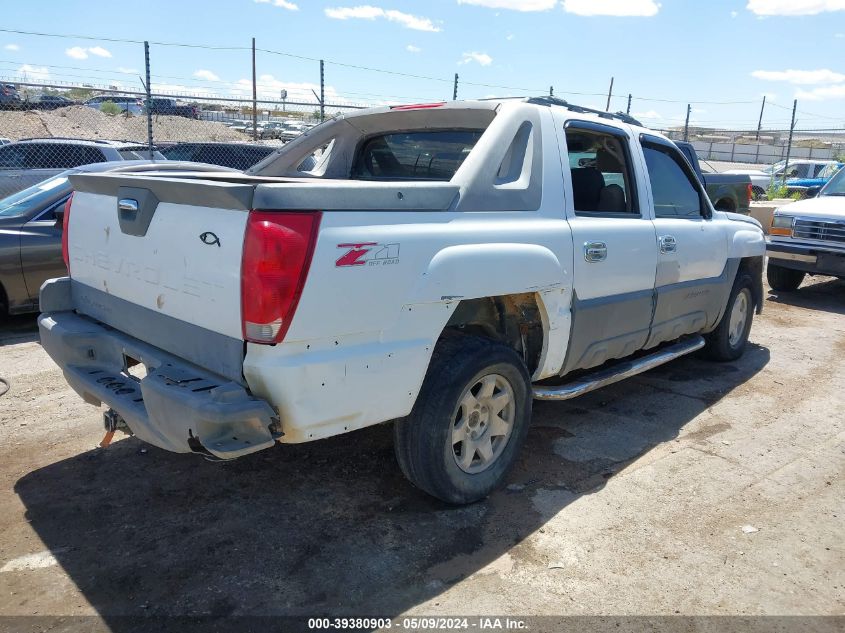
(727, 343)
(423, 441)
(784, 279)
(758, 193)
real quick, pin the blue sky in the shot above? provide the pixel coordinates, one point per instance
(664, 53)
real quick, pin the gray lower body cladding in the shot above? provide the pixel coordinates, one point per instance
(609, 328)
(177, 406)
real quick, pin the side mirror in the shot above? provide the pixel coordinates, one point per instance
(812, 192)
(60, 217)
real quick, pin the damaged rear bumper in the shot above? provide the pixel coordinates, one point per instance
(177, 406)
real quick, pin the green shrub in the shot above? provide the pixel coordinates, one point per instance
(777, 191)
(109, 107)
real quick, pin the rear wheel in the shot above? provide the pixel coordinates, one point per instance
(727, 342)
(758, 193)
(469, 421)
(784, 279)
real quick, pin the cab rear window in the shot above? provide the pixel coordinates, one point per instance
(424, 155)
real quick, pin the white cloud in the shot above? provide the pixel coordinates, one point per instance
(282, 4)
(482, 58)
(38, 73)
(99, 51)
(794, 7)
(12, 47)
(800, 77)
(825, 92)
(413, 49)
(734, 14)
(838, 35)
(622, 8)
(206, 74)
(510, 37)
(515, 5)
(651, 114)
(269, 88)
(128, 71)
(368, 12)
(77, 52)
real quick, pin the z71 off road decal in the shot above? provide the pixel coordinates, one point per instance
(368, 254)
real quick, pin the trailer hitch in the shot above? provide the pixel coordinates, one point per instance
(113, 422)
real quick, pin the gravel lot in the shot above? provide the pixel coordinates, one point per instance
(88, 123)
(697, 488)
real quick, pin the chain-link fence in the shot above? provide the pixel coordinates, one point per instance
(53, 128)
(241, 102)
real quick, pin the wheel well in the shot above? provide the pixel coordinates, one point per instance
(510, 319)
(753, 266)
(725, 204)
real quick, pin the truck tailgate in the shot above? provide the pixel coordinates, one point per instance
(185, 264)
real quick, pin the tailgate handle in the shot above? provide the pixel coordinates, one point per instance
(135, 209)
(128, 207)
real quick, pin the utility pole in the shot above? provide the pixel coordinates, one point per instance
(149, 99)
(789, 144)
(455, 89)
(686, 124)
(628, 111)
(609, 94)
(254, 97)
(322, 92)
(551, 91)
(760, 122)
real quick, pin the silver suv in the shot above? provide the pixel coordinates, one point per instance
(29, 161)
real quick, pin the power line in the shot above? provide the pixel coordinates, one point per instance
(372, 69)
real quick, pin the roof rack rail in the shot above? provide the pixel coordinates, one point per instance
(549, 101)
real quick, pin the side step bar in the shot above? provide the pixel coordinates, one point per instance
(618, 372)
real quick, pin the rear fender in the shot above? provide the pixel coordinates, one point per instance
(473, 271)
(470, 271)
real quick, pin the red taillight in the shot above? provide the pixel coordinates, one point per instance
(277, 254)
(65, 224)
(749, 190)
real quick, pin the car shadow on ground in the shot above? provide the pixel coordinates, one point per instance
(332, 527)
(21, 328)
(825, 296)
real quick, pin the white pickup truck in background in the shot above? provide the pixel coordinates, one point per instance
(808, 237)
(434, 265)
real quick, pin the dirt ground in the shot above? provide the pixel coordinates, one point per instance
(697, 488)
(88, 123)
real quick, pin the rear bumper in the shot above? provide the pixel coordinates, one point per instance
(808, 259)
(177, 406)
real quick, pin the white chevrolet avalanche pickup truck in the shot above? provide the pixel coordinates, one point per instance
(436, 265)
(808, 238)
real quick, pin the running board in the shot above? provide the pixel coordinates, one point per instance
(618, 372)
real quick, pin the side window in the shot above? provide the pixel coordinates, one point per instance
(50, 214)
(12, 157)
(600, 171)
(91, 155)
(46, 156)
(818, 170)
(675, 193)
(180, 152)
(797, 171)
